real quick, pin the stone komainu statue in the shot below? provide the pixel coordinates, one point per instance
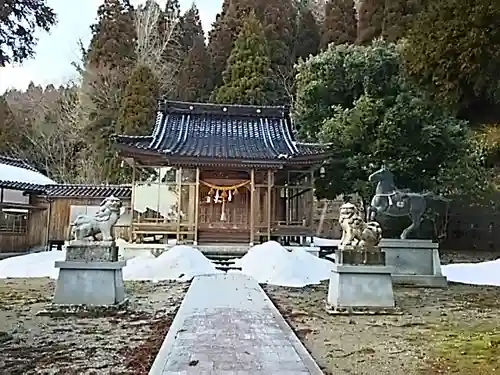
(87, 227)
(355, 232)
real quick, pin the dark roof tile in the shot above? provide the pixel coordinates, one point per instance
(71, 190)
(88, 191)
(229, 132)
(16, 162)
(25, 186)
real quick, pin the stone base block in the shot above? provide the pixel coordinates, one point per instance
(91, 251)
(90, 284)
(347, 256)
(415, 262)
(364, 287)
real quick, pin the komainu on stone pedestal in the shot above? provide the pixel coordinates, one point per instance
(91, 274)
(103, 222)
(360, 280)
(356, 234)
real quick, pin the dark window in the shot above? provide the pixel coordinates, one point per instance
(13, 221)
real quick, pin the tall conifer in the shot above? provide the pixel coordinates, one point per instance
(340, 24)
(370, 20)
(247, 76)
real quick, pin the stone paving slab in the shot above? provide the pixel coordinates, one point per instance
(227, 325)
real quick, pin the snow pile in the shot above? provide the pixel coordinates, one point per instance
(178, 263)
(485, 273)
(271, 263)
(11, 173)
(31, 265)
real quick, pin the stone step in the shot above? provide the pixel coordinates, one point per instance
(228, 268)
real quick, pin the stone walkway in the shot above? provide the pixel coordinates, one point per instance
(227, 325)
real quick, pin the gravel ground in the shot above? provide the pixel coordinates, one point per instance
(123, 342)
(439, 331)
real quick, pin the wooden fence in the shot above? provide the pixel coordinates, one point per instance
(473, 228)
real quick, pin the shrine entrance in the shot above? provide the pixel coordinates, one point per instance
(224, 207)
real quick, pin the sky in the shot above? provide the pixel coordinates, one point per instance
(56, 50)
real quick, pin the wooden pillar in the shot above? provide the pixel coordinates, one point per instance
(313, 208)
(132, 197)
(179, 201)
(197, 206)
(159, 185)
(252, 206)
(269, 202)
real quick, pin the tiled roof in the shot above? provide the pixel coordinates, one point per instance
(88, 191)
(71, 190)
(221, 132)
(16, 162)
(25, 186)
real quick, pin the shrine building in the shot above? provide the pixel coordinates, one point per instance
(211, 173)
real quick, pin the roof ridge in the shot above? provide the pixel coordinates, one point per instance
(172, 106)
(17, 162)
(89, 185)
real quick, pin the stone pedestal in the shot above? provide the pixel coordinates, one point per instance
(415, 262)
(360, 280)
(91, 275)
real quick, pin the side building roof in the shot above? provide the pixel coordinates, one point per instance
(70, 190)
(205, 134)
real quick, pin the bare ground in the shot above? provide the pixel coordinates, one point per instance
(123, 342)
(439, 331)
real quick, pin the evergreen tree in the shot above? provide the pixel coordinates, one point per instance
(172, 55)
(10, 134)
(398, 16)
(194, 73)
(19, 20)
(191, 28)
(194, 77)
(171, 16)
(358, 100)
(139, 103)
(172, 9)
(221, 38)
(247, 76)
(308, 36)
(278, 19)
(110, 58)
(370, 20)
(113, 36)
(453, 48)
(339, 24)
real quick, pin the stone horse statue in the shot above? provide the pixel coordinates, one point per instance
(391, 201)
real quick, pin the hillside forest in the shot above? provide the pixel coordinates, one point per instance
(410, 84)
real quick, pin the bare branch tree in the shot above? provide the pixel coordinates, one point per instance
(54, 136)
(158, 44)
(101, 87)
(285, 77)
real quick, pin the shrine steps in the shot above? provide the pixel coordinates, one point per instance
(227, 236)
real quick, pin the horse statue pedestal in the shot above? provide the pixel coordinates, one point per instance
(360, 282)
(91, 275)
(415, 262)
